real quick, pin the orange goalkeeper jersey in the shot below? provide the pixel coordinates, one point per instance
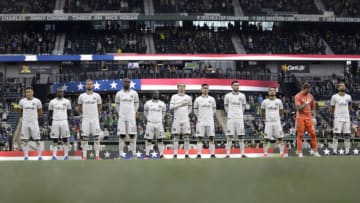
(300, 99)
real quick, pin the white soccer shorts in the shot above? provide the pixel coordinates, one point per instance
(154, 130)
(235, 127)
(60, 129)
(273, 130)
(30, 129)
(181, 127)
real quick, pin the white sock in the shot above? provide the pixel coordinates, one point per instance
(133, 146)
(84, 145)
(38, 149)
(281, 147)
(161, 148)
(147, 148)
(228, 146)
(212, 148)
(97, 148)
(347, 145)
(66, 149)
(176, 145)
(242, 146)
(186, 145)
(335, 145)
(121, 147)
(199, 146)
(54, 151)
(266, 148)
(25, 148)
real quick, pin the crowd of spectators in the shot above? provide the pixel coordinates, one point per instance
(260, 7)
(342, 42)
(189, 6)
(27, 6)
(88, 6)
(193, 40)
(76, 73)
(26, 42)
(281, 40)
(343, 8)
(101, 42)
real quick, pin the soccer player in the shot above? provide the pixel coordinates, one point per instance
(272, 108)
(154, 111)
(341, 107)
(204, 109)
(59, 113)
(304, 105)
(89, 106)
(30, 113)
(127, 104)
(234, 103)
(181, 103)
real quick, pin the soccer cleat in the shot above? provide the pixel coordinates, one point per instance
(316, 154)
(147, 157)
(26, 158)
(175, 156)
(266, 155)
(66, 158)
(40, 158)
(161, 157)
(98, 158)
(53, 158)
(187, 156)
(243, 156)
(198, 156)
(227, 156)
(84, 158)
(300, 155)
(213, 156)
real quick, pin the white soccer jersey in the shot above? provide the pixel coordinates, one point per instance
(181, 113)
(129, 104)
(235, 103)
(155, 110)
(89, 105)
(341, 104)
(30, 108)
(59, 108)
(272, 108)
(204, 108)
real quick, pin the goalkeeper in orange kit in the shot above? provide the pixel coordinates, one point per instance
(304, 105)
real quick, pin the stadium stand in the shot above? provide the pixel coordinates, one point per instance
(88, 6)
(343, 8)
(188, 6)
(27, 6)
(192, 40)
(260, 7)
(281, 40)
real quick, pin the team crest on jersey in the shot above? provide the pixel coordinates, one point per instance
(335, 129)
(174, 129)
(33, 103)
(64, 104)
(159, 106)
(94, 98)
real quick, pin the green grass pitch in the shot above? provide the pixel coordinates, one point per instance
(327, 179)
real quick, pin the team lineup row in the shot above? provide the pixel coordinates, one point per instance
(204, 107)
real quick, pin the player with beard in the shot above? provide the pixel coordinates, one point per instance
(272, 109)
(59, 113)
(89, 107)
(341, 107)
(234, 103)
(127, 104)
(154, 111)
